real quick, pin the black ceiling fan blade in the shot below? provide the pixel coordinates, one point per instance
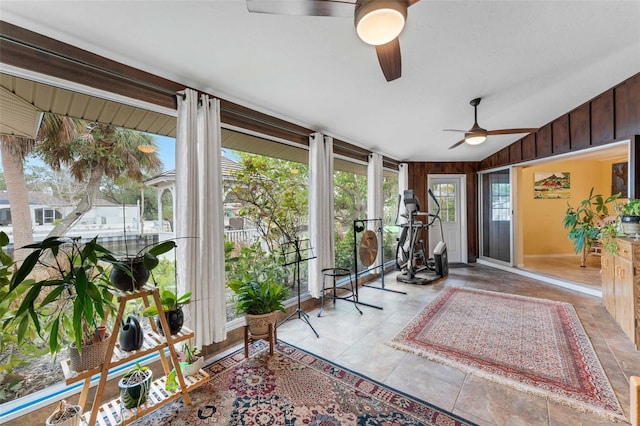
(455, 130)
(511, 131)
(340, 9)
(390, 59)
(457, 144)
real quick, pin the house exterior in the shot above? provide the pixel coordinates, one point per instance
(105, 217)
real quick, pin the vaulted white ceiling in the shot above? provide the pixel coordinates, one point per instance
(530, 61)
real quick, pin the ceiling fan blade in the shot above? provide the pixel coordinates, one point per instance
(390, 60)
(455, 130)
(340, 9)
(510, 131)
(457, 144)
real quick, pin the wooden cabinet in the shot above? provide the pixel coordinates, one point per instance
(112, 412)
(621, 286)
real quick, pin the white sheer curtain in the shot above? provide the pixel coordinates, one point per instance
(375, 199)
(321, 227)
(403, 183)
(200, 219)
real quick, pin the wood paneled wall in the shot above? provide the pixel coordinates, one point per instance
(418, 173)
(609, 117)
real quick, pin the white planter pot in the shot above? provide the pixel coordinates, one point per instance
(73, 421)
(193, 368)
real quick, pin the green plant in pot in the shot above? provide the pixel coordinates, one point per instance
(130, 273)
(134, 386)
(68, 296)
(630, 216)
(172, 307)
(586, 226)
(255, 278)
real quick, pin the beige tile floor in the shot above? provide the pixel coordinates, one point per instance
(358, 342)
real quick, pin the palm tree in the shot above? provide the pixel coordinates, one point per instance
(14, 150)
(99, 150)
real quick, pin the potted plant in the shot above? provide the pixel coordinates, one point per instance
(65, 415)
(134, 386)
(130, 273)
(191, 361)
(69, 301)
(630, 216)
(255, 278)
(585, 224)
(172, 307)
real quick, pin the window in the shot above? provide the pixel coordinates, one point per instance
(500, 202)
(445, 194)
(350, 203)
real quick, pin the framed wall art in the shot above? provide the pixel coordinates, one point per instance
(551, 185)
(620, 179)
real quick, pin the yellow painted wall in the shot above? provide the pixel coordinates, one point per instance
(542, 231)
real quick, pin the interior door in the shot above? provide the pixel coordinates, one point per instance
(447, 191)
(495, 216)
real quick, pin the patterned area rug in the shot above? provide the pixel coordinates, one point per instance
(534, 345)
(294, 387)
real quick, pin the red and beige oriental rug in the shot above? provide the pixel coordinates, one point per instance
(294, 387)
(534, 345)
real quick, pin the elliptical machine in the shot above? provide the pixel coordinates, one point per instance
(411, 253)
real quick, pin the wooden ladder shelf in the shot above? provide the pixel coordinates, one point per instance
(112, 412)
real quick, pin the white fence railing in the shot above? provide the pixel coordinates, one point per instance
(248, 236)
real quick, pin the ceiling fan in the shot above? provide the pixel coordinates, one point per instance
(476, 134)
(377, 22)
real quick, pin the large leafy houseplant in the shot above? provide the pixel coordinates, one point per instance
(585, 224)
(257, 280)
(70, 299)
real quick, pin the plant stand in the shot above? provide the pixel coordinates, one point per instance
(112, 412)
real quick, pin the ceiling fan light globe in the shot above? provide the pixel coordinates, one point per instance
(475, 139)
(379, 22)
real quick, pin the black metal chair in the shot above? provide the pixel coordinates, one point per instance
(346, 292)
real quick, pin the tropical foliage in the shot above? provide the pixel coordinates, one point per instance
(258, 280)
(95, 151)
(585, 222)
(273, 194)
(70, 300)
